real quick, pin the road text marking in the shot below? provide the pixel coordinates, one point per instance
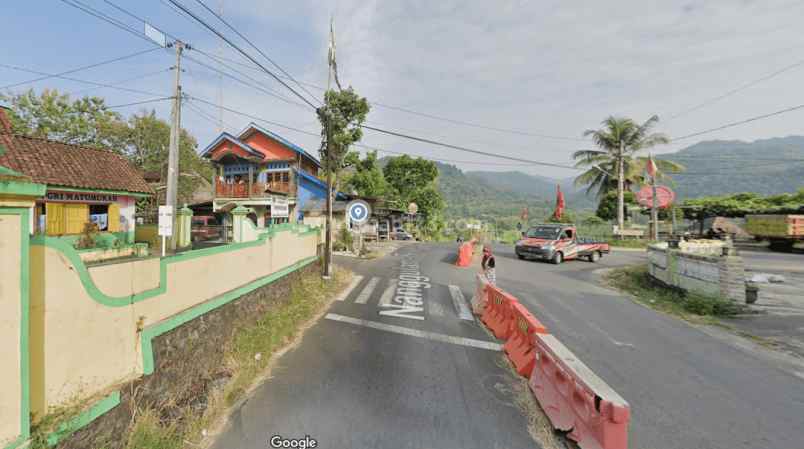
(459, 302)
(355, 280)
(388, 294)
(367, 291)
(462, 341)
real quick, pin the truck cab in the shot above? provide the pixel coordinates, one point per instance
(557, 243)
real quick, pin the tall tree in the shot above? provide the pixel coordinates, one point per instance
(414, 180)
(53, 115)
(341, 116)
(367, 178)
(619, 140)
(147, 140)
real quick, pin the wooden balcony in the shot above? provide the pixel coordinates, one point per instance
(258, 189)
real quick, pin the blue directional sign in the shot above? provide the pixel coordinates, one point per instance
(359, 211)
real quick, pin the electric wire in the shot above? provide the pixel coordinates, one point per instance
(79, 69)
(79, 80)
(236, 31)
(240, 50)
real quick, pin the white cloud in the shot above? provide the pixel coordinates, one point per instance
(545, 67)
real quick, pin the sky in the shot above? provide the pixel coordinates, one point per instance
(546, 69)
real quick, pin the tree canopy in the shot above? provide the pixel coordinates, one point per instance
(601, 164)
(741, 204)
(414, 180)
(367, 178)
(143, 137)
(344, 112)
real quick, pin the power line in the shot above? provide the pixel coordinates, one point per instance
(240, 50)
(438, 117)
(468, 150)
(738, 89)
(741, 122)
(373, 147)
(78, 80)
(153, 100)
(236, 31)
(106, 18)
(67, 72)
(256, 85)
(117, 83)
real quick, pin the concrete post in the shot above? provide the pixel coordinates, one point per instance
(184, 220)
(239, 215)
(731, 270)
(17, 196)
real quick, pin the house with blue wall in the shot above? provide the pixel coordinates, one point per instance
(261, 170)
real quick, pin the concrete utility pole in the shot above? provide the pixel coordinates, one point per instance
(654, 209)
(327, 119)
(621, 188)
(173, 153)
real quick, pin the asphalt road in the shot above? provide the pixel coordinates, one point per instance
(423, 378)
(689, 387)
(355, 382)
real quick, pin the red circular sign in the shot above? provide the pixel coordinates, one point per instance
(664, 196)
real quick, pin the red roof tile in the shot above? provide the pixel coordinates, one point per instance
(60, 164)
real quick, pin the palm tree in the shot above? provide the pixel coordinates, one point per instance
(615, 163)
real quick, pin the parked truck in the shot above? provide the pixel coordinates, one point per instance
(782, 231)
(557, 243)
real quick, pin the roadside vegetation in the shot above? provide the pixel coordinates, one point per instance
(636, 281)
(249, 359)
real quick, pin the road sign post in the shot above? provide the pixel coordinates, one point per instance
(165, 224)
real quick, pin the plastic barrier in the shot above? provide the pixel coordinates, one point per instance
(499, 313)
(519, 346)
(481, 297)
(464, 255)
(576, 399)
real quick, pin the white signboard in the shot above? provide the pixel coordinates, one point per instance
(166, 221)
(279, 208)
(155, 35)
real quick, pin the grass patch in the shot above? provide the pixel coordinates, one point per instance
(248, 359)
(636, 281)
(630, 243)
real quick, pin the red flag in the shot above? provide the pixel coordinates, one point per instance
(652, 169)
(559, 203)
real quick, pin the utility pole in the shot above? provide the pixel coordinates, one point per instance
(621, 188)
(654, 210)
(328, 129)
(173, 153)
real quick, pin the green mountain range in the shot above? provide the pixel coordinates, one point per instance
(769, 166)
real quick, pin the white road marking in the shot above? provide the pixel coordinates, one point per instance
(367, 291)
(609, 337)
(355, 280)
(462, 341)
(402, 311)
(435, 308)
(460, 304)
(387, 295)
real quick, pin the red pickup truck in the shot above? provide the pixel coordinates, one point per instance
(557, 243)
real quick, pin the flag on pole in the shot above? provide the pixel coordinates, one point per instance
(559, 203)
(652, 169)
(333, 65)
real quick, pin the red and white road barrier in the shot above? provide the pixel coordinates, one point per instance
(576, 399)
(481, 295)
(572, 395)
(519, 346)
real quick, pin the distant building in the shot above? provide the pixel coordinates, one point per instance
(83, 184)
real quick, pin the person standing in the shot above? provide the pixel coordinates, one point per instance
(488, 264)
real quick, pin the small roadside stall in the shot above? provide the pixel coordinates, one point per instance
(83, 185)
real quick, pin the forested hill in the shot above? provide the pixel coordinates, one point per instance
(719, 167)
(470, 196)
